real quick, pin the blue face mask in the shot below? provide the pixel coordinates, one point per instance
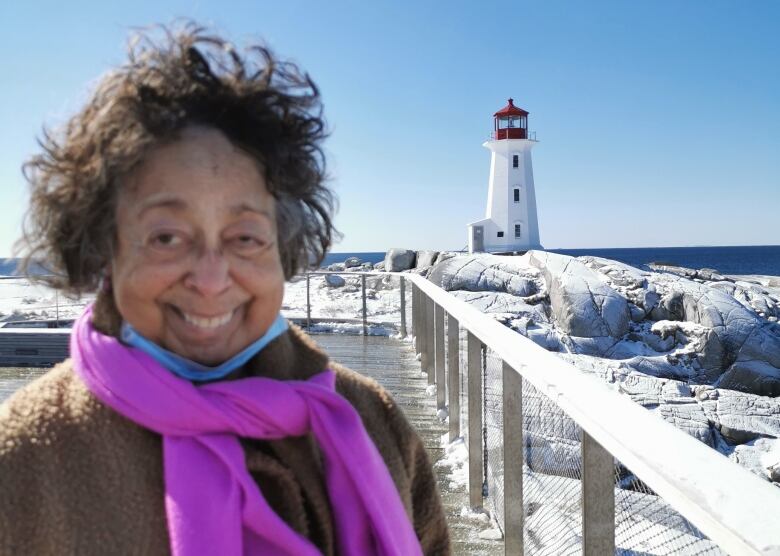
(196, 372)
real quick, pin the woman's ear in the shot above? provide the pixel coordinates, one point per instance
(105, 281)
(105, 315)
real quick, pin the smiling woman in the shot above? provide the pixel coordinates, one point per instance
(196, 268)
(192, 418)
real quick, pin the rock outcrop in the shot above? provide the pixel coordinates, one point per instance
(583, 305)
(334, 281)
(700, 349)
(397, 260)
(426, 258)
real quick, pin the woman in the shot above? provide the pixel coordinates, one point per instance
(191, 418)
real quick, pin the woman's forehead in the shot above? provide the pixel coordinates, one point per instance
(200, 166)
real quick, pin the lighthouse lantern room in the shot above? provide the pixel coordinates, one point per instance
(510, 223)
(510, 122)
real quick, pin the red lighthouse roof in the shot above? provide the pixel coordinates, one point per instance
(511, 110)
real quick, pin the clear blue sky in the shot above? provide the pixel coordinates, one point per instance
(659, 122)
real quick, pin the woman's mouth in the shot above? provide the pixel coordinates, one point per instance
(208, 323)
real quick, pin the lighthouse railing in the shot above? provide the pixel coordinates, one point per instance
(564, 463)
(530, 135)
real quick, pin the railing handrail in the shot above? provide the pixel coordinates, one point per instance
(736, 509)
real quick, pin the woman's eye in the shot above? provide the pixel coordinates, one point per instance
(166, 240)
(247, 243)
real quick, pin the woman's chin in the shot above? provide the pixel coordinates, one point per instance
(209, 356)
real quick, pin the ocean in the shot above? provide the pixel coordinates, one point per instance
(763, 259)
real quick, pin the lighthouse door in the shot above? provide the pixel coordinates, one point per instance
(478, 238)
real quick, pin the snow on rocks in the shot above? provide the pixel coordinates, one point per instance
(583, 305)
(353, 262)
(426, 258)
(697, 348)
(485, 273)
(741, 417)
(335, 281)
(397, 260)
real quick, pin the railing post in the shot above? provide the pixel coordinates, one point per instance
(598, 498)
(453, 370)
(474, 348)
(403, 307)
(416, 318)
(513, 460)
(423, 333)
(441, 386)
(308, 302)
(429, 344)
(365, 312)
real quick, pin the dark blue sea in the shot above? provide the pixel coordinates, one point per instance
(764, 259)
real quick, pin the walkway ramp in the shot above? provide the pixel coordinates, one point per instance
(393, 364)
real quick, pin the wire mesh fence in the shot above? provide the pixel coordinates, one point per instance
(552, 476)
(552, 468)
(646, 524)
(552, 473)
(464, 394)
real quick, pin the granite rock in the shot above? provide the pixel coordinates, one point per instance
(397, 260)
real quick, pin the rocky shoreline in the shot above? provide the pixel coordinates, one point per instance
(697, 348)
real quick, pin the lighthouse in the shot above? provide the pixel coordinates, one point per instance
(510, 222)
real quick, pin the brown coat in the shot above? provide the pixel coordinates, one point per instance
(78, 478)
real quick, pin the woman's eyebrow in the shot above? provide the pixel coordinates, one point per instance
(247, 207)
(158, 201)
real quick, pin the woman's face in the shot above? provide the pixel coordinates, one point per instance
(197, 269)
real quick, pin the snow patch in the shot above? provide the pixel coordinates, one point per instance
(455, 460)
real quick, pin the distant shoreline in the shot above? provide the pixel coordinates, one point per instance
(736, 260)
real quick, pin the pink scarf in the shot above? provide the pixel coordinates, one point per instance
(212, 503)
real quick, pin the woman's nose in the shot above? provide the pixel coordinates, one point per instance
(210, 274)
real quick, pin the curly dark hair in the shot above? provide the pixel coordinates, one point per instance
(174, 78)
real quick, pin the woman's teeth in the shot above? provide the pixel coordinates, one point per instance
(210, 322)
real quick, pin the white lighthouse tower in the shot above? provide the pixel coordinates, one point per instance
(510, 222)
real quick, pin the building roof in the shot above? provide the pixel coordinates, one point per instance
(511, 110)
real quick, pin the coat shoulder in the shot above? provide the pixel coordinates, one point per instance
(72, 470)
(33, 414)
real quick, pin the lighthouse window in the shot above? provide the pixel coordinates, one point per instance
(500, 234)
(518, 230)
(515, 160)
(517, 194)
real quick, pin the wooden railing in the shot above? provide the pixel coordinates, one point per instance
(729, 505)
(364, 312)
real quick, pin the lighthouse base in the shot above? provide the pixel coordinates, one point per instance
(485, 236)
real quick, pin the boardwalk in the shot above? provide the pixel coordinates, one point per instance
(393, 364)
